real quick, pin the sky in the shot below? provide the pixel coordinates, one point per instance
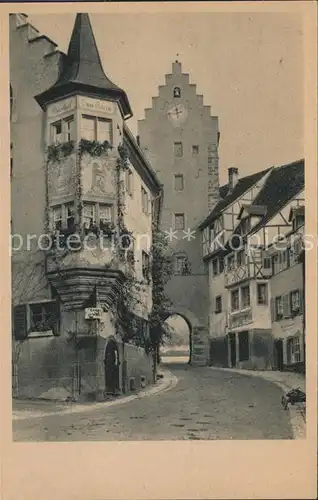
(248, 66)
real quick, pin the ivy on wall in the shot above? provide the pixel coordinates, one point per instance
(56, 152)
(93, 148)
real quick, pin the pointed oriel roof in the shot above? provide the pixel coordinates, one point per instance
(82, 70)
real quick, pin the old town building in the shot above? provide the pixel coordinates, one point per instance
(255, 274)
(82, 195)
(181, 138)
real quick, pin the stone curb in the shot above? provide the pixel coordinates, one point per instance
(166, 383)
(297, 418)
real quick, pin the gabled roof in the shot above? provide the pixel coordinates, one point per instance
(82, 70)
(228, 197)
(282, 185)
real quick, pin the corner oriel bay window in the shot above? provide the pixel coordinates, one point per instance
(96, 129)
(63, 130)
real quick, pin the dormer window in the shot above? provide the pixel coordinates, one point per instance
(96, 129)
(62, 130)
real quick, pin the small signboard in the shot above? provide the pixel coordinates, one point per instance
(93, 313)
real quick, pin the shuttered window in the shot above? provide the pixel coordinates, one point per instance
(36, 317)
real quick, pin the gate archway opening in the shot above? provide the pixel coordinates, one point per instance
(177, 346)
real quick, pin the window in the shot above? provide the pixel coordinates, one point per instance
(298, 221)
(267, 264)
(144, 200)
(195, 150)
(244, 348)
(145, 266)
(63, 130)
(235, 305)
(57, 217)
(89, 215)
(218, 304)
(293, 350)
(245, 225)
(97, 214)
(245, 294)
(70, 215)
(240, 258)
(230, 262)
(176, 92)
(43, 316)
(178, 149)
(178, 182)
(129, 181)
(105, 213)
(295, 302)
(215, 267)
(179, 223)
(279, 309)
(57, 131)
(261, 293)
(96, 129)
(221, 265)
(180, 264)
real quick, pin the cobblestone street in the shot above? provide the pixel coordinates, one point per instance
(205, 404)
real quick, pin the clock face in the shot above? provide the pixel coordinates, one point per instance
(177, 114)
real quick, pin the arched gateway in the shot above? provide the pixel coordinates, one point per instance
(198, 335)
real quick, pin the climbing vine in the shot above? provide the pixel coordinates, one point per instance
(93, 148)
(56, 152)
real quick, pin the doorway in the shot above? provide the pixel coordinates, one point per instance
(111, 363)
(279, 355)
(232, 343)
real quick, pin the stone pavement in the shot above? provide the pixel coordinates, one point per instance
(205, 404)
(286, 381)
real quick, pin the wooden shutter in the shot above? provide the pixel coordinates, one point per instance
(20, 321)
(301, 301)
(273, 309)
(286, 305)
(57, 323)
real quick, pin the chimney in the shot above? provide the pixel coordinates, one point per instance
(138, 140)
(233, 177)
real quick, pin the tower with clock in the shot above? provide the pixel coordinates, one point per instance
(180, 137)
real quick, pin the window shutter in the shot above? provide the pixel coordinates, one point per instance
(286, 305)
(273, 309)
(57, 324)
(20, 322)
(301, 301)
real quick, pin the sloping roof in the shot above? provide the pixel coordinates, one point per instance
(243, 185)
(82, 69)
(282, 185)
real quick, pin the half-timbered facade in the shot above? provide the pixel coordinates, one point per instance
(241, 266)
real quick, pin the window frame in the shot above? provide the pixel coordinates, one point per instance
(265, 285)
(195, 149)
(218, 304)
(95, 119)
(66, 135)
(177, 144)
(175, 177)
(236, 291)
(247, 304)
(175, 216)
